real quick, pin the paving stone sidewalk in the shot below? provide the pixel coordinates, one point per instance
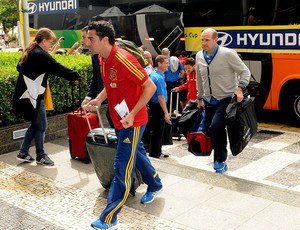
(30, 201)
(69, 195)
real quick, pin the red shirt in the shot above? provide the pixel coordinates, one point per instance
(190, 85)
(123, 77)
(182, 60)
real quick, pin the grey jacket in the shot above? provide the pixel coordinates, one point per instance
(222, 76)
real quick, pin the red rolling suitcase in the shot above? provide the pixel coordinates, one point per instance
(77, 130)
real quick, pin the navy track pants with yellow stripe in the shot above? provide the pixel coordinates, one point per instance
(130, 154)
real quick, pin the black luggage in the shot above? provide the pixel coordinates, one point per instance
(167, 132)
(188, 117)
(148, 130)
(175, 115)
(101, 144)
(241, 124)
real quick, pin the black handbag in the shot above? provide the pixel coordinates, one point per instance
(241, 124)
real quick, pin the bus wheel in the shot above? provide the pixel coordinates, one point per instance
(290, 102)
(296, 107)
(292, 107)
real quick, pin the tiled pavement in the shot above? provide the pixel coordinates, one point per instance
(30, 201)
(261, 190)
(271, 157)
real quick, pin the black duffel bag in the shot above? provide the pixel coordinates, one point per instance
(188, 117)
(241, 124)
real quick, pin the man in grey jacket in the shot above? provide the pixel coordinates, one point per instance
(221, 74)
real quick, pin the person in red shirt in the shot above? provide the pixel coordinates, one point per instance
(124, 79)
(191, 80)
(182, 56)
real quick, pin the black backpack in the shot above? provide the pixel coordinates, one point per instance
(132, 48)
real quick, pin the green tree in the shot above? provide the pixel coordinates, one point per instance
(8, 14)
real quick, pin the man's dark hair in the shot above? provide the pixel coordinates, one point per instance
(189, 61)
(184, 53)
(177, 53)
(84, 29)
(103, 29)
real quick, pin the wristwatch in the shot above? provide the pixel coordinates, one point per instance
(242, 85)
(200, 98)
(88, 98)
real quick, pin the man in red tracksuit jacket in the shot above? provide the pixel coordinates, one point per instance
(124, 79)
(190, 84)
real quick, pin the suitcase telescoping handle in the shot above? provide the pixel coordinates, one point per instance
(171, 104)
(100, 122)
(73, 96)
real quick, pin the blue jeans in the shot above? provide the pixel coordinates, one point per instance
(215, 119)
(36, 131)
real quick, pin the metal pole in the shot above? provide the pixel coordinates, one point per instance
(275, 12)
(245, 10)
(25, 21)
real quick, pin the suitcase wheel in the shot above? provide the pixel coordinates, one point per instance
(70, 150)
(72, 156)
(132, 191)
(87, 158)
(106, 186)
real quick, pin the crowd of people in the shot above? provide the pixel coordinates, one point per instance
(212, 78)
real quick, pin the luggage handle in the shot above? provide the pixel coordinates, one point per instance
(100, 121)
(73, 96)
(171, 104)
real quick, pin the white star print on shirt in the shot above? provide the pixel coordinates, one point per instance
(34, 89)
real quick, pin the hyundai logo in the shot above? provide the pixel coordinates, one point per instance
(224, 39)
(32, 8)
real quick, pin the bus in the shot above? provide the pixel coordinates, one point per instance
(272, 53)
(155, 30)
(267, 36)
(271, 29)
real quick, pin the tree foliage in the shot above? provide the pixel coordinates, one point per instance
(8, 13)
